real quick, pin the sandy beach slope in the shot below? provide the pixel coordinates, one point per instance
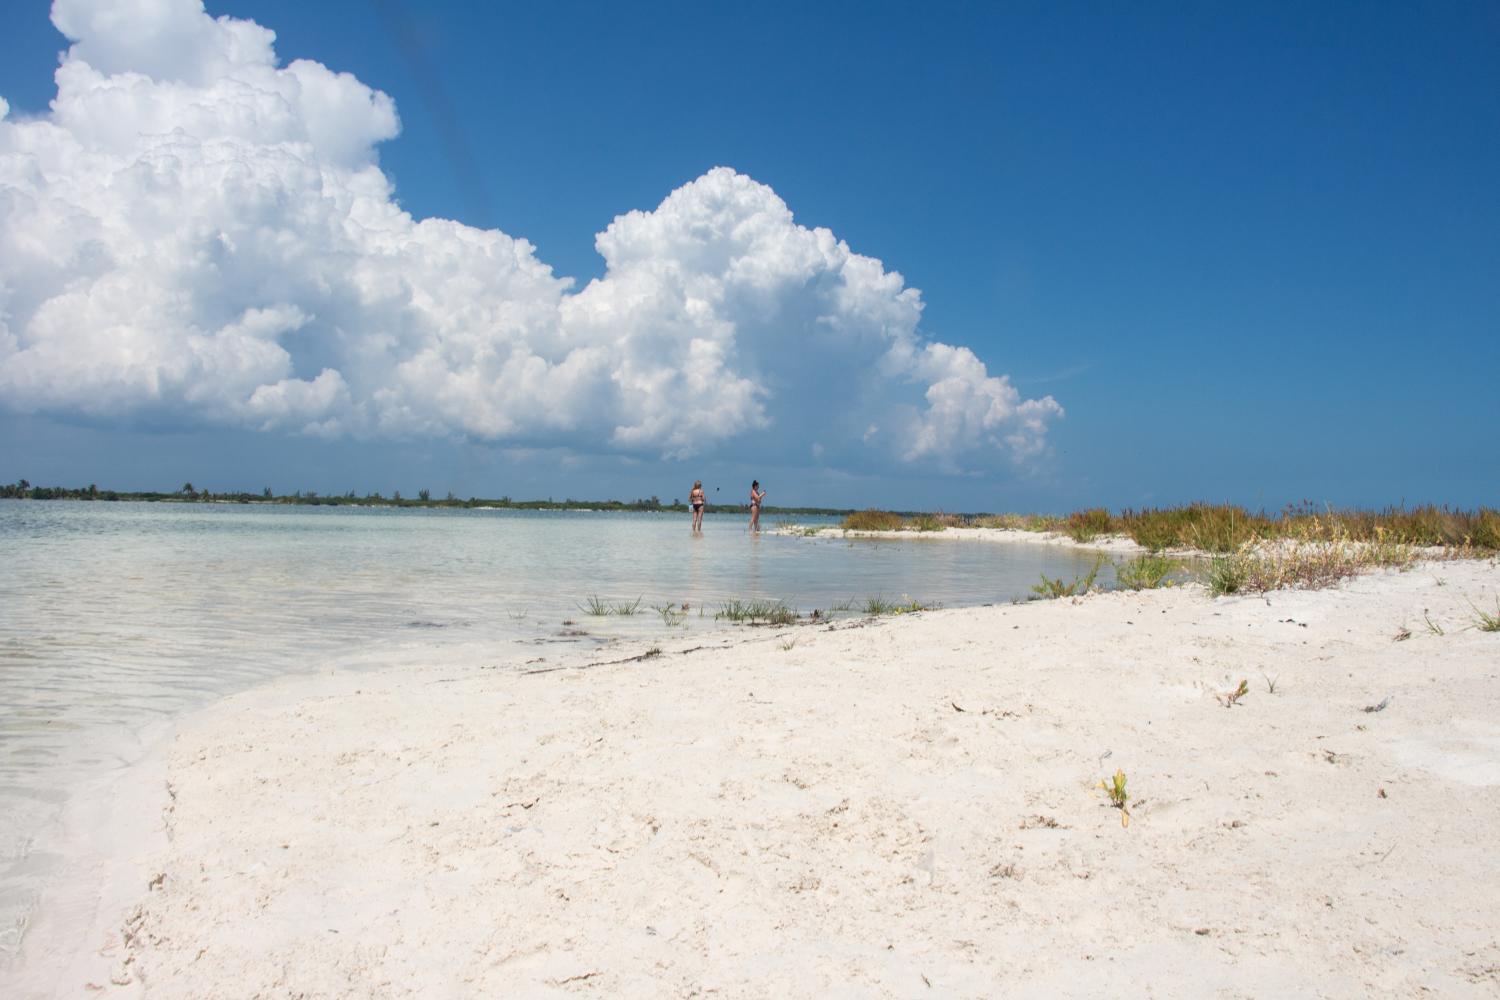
(900, 808)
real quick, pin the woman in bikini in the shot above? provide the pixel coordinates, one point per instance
(697, 499)
(756, 496)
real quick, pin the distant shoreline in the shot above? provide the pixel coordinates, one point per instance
(653, 505)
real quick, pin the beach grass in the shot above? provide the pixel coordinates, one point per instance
(1087, 525)
(876, 606)
(1223, 528)
(599, 607)
(1077, 587)
(1303, 546)
(1145, 572)
(756, 612)
(670, 613)
(1483, 620)
(873, 520)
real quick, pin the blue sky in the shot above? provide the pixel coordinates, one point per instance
(1252, 253)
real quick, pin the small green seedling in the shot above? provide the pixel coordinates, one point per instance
(1114, 788)
(1233, 697)
(1485, 621)
(1432, 626)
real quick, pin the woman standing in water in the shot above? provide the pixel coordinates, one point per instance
(697, 500)
(756, 496)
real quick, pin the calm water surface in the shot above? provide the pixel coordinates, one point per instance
(117, 617)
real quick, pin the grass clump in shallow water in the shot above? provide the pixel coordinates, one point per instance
(670, 613)
(1080, 585)
(756, 612)
(597, 606)
(1145, 572)
(876, 606)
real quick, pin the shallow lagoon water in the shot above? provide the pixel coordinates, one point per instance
(116, 618)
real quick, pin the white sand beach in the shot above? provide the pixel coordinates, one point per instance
(906, 807)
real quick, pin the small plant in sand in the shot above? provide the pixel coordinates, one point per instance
(1114, 788)
(1271, 683)
(596, 605)
(1232, 698)
(787, 645)
(1227, 574)
(1144, 572)
(753, 612)
(1432, 626)
(876, 606)
(670, 614)
(1057, 588)
(1484, 621)
(1402, 634)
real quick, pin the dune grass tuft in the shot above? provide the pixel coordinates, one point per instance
(1086, 525)
(758, 611)
(1145, 572)
(873, 520)
(1484, 621)
(1080, 585)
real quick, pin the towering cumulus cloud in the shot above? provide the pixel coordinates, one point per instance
(197, 234)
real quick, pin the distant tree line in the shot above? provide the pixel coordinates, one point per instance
(23, 490)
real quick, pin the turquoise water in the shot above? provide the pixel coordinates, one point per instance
(117, 617)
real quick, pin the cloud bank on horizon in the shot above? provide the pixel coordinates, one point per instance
(196, 235)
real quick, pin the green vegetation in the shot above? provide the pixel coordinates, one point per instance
(1087, 525)
(670, 614)
(873, 520)
(1224, 529)
(1144, 572)
(1013, 522)
(1227, 575)
(886, 520)
(595, 605)
(1114, 788)
(876, 606)
(1484, 621)
(753, 612)
(1080, 585)
(1232, 698)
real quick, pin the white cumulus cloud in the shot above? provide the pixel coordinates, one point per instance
(198, 234)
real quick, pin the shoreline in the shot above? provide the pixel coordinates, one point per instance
(1116, 544)
(888, 806)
